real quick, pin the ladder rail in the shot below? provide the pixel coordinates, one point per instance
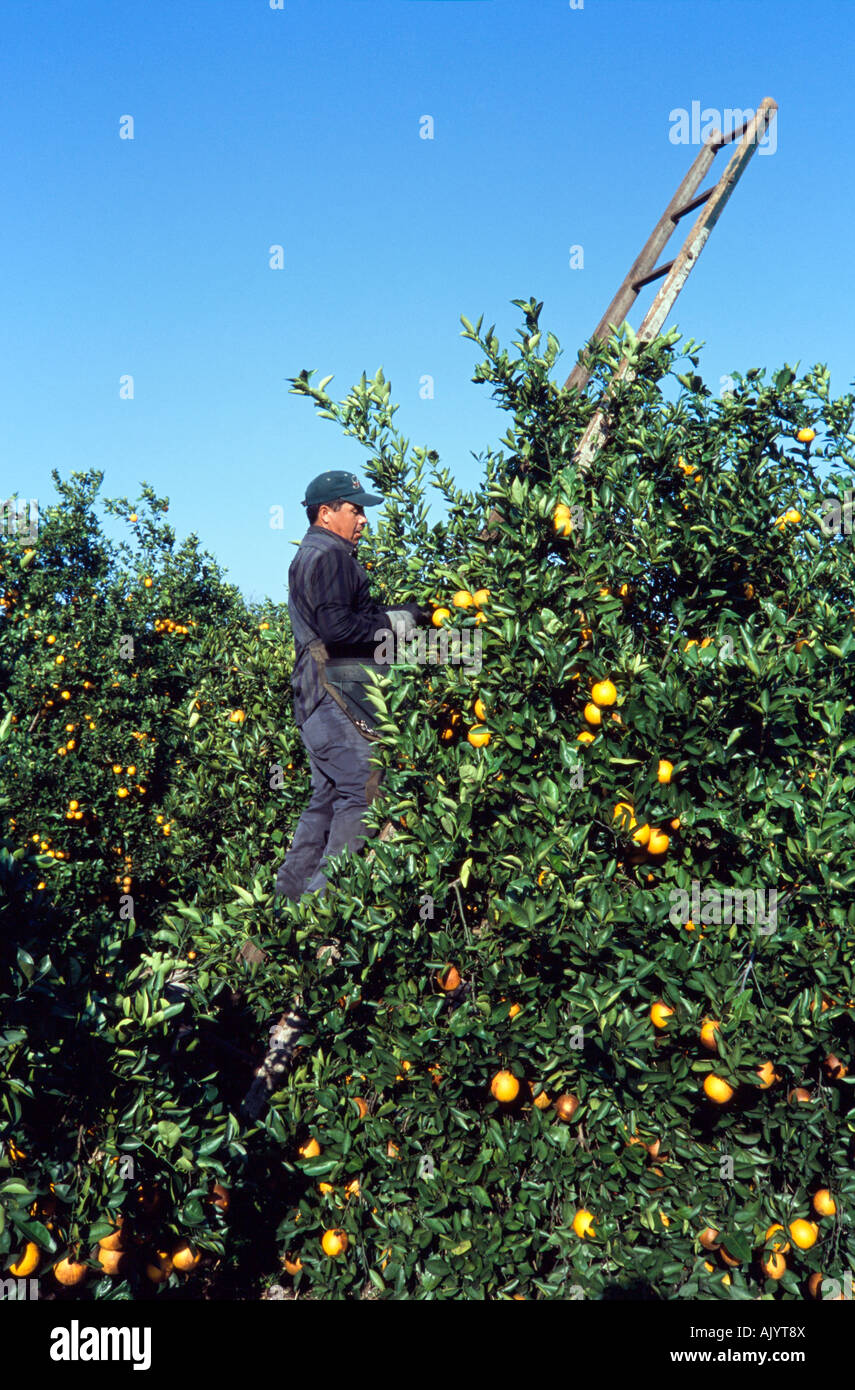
(681, 267)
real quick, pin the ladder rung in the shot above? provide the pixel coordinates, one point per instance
(654, 275)
(690, 207)
(734, 135)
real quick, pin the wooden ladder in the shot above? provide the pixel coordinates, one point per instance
(644, 270)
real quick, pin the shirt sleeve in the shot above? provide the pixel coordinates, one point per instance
(340, 617)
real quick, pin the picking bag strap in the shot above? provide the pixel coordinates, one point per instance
(319, 654)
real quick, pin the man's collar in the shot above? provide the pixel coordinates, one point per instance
(315, 530)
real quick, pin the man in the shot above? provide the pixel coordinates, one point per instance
(336, 626)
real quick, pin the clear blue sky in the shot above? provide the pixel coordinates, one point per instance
(300, 126)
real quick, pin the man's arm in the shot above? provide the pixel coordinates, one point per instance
(334, 617)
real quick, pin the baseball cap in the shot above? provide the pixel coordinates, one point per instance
(328, 486)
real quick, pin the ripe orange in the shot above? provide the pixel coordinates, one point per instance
(504, 1086)
(478, 736)
(481, 597)
(709, 1029)
(69, 1272)
(641, 836)
(815, 1284)
(220, 1196)
(480, 710)
(159, 1269)
(583, 1223)
(27, 1261)
(361, 1106)
(542, 1101)
(585, 737)
(804, 1233)
(449, 978)
(592, 713)
(561, 520)
(439, 615)
(767, 1074)
(717, 1089)
(625, 813)
(729, 1259)
(834, 1069)
(664, 770)
(310, 1149)
(462, 599)
(604, 693)
(334, 1242)
(110, 1260)
(185, 1256)
(799, 1096)
(806, 436)
(823, 1203)
(114, 1241)
(290, 1266)
(658, 842)
(778, 1245)
(709, 1238)
(775, 1265)
(514, 1010)
(566, 1106)
(660, 1014)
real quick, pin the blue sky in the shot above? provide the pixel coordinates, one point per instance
(299, 127)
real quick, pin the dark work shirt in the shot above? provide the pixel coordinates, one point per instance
(328, 597)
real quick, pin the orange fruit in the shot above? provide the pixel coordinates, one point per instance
(566, 1106)
(334, 1242)
(664, 771)
(290, 1266)
(658, 842)
(449, 978)
(514, 1010)
(504, 1086)
(728, 1258)
(775, 1265)
(717, 1089)
(361, 1105)
(641, 836)
(604, 693)
(352, 1188)
(480, 710)
(69, 1272)
(806, 436)
(27, 1261)
(804, 1233)
(480, 597)
(583, 1223)
(767, 1074)
(478, 736)
(159, 1269)
(823, 1203)
(660, 1014)
(585, 737)
(220, 1196)
(780, 1245)
(625, 813)
(561, 520)
(185, 1256)
(592, 713)
(709, 1238)
(439, 615)
(462, 599)
(709, 1029)
(110, 1260)
(542, 1101)
(310, 1149)
(815, 1284)
(834, 1068)
(799, 1096)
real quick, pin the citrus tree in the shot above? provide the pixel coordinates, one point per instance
(579, 1023)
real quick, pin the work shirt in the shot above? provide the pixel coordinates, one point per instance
(328, 597)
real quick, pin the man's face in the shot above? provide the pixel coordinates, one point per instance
(348, 522)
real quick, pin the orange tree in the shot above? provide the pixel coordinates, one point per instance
(504, 1088)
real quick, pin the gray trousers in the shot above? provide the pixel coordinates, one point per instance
(343, 786)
